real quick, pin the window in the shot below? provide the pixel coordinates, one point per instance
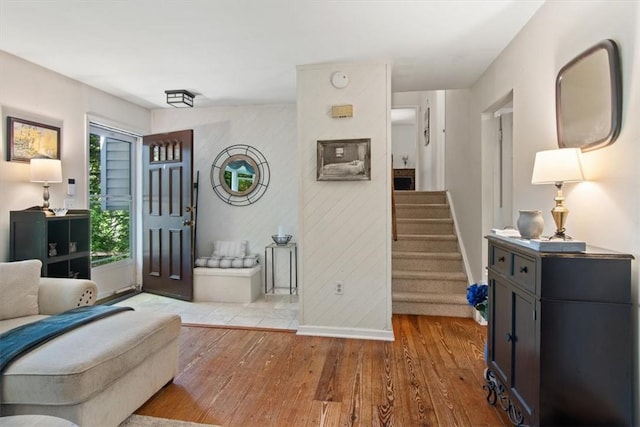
(110, 194)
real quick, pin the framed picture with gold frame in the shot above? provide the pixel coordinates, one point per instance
(27, 139)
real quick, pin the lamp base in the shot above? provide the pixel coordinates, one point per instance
(559, 214)
(45, 196)
(560, 235)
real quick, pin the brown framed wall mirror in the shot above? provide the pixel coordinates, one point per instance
(589, 98)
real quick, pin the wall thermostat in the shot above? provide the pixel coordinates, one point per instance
(339, 79)
(71, 187)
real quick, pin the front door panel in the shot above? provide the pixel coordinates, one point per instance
(167, 215)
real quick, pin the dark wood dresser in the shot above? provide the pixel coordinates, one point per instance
(560, 342)
(404, 179)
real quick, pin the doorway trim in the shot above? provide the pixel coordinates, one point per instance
(488, 133)
(136, 182)
(418, 132)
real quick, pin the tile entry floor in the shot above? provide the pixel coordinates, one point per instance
(279, 311)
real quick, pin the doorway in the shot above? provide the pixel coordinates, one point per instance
(404, 147)
(502, 165)
(418, 133)
(112, 189)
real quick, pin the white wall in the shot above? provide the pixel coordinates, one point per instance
(32, 92)
(345, 226)
(605, 211)
(403, 142)
(270, 129)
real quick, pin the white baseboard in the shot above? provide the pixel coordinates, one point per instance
(338, 332)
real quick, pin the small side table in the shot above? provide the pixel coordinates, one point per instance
(293, 251)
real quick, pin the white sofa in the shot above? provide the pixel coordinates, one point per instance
(95, 375)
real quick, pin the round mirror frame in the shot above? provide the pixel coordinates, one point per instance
(261, 180)
(235, 158)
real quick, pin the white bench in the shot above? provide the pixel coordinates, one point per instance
(240, 285)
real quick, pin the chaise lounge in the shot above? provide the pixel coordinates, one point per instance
(95, 375)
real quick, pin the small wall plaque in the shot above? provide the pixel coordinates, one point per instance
(341, 111)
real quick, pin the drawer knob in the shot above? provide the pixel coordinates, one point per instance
(508, 337)
(501, 259)
(524, 269)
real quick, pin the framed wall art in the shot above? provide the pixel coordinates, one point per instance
(27, 139)
(344, 160)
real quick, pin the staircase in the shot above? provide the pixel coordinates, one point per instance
(428, 276)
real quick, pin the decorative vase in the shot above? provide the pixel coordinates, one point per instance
(530, 224)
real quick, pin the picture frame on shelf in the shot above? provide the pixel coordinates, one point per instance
(27, 139)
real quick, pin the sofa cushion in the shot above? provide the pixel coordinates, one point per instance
(229, 248)
(8, 324)
(19, 288)
(81, 363)
(35, 421)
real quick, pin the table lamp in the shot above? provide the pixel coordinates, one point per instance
(557, 167)
(46, 170)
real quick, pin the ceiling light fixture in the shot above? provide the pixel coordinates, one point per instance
(180, 98)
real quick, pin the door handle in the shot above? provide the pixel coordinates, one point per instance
(508, 337)
(188, 223)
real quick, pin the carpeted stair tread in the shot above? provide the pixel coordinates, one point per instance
(423, 205)
(422, 210)
(451, 237)
(428, 275)
(432, 309)
(430, 297)
(421, 197)
(425, 220)
(428, 255)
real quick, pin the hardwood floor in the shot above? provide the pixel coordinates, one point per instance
(431, 375)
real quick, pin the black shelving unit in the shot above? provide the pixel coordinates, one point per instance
(34, 233)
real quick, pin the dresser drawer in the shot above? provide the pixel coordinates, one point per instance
(501, 260)
(524, 272)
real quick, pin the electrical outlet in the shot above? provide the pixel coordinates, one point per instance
(339, 288)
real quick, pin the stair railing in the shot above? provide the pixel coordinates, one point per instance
(394, 226)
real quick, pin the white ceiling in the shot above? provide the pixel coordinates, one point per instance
(232, 52)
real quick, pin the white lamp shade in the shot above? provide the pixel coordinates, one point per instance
(46, 170)
(563, 165)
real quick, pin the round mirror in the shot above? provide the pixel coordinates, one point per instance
(240, 175)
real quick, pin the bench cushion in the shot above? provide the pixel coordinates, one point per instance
(80, 364)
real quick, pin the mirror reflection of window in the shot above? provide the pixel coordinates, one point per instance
(240, 175)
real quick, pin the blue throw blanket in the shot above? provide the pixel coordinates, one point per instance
(18, 341)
